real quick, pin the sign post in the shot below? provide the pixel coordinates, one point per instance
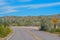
(55, 20)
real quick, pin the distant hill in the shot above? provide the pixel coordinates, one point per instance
(28, 20)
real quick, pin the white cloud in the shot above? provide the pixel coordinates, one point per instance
(24, 0)
(38, 5)
(4, 8)
(2, 2)
(10, 9)
(7, 9)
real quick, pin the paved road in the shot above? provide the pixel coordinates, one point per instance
(45, 35)
(22, 34)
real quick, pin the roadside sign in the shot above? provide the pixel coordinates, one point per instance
(55, 20)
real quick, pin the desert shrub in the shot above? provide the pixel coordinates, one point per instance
(4, 31)
(57, 30)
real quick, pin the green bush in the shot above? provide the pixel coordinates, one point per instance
(4, 31)
(57, 30)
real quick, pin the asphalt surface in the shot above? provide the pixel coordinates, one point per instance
(46, 36)
(22, 34)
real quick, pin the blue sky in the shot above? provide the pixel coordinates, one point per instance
(29, 7)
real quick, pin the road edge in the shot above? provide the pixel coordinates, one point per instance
(10, 35)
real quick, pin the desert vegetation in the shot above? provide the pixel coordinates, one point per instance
(44, 22)
(4, 31)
